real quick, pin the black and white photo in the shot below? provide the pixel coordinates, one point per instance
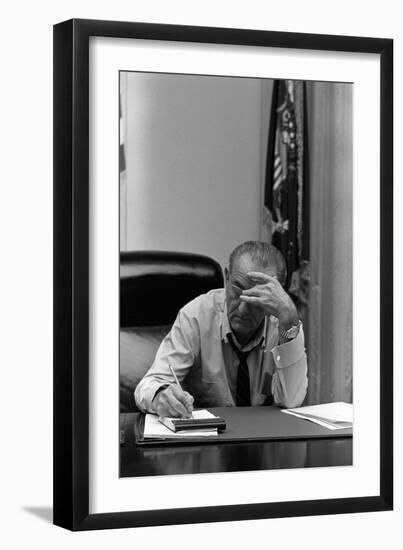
(235, 272)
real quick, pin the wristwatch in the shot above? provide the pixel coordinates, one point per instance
(290, 333)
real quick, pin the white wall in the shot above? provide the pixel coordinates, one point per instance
(26, 301)
(194, 162)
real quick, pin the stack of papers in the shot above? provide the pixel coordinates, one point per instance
(153, 429)
(334, 416)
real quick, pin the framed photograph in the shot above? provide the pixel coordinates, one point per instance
(223, 268)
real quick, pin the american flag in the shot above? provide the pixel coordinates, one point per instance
(286, 207)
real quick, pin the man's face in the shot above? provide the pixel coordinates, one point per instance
(244, 318)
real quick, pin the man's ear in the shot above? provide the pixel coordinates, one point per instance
(226, 274)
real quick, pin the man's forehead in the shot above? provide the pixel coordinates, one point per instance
(246, 263)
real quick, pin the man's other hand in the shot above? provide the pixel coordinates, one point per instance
(173, 401)
(271, 297)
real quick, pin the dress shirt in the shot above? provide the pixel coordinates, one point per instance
(206, 365)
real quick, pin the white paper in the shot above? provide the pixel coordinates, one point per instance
(334, 416)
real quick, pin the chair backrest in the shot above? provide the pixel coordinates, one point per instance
(155, 285)
(153, 288)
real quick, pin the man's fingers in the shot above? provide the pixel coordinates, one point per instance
(178, 393)
(177, 409)
(189, 401)
(254, 291)
(260, 277)
(251, 299)
(176, 390)
(189, 397)
(170, 406)
(184, 398)
(259, 301)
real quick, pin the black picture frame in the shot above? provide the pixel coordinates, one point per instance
(71, 273)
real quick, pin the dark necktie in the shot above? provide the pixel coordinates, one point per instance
(243, 382)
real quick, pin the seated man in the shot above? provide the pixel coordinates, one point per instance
(238, 346)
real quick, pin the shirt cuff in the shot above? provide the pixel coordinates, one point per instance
(145, 397)
(289, 353)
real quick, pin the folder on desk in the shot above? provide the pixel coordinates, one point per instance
(333, 416)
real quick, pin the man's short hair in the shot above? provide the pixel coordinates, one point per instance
(263, 255)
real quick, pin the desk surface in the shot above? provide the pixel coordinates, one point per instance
(260, 424)
(301, 451)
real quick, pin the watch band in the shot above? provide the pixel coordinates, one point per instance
(289, 334)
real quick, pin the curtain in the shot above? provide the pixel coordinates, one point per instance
(330, 296)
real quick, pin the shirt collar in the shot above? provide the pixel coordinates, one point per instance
(258, 339)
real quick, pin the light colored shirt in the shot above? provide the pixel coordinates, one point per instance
(206, 365)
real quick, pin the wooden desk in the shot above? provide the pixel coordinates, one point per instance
(228, 456)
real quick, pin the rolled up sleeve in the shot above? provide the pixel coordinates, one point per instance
(289, 381)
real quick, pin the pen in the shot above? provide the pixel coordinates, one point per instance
(176, 380)
(174, 375)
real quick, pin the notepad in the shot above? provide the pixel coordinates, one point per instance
(334, 416)
(193, 423)
(154, 429)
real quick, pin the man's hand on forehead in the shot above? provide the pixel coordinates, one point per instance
(268, 294)
(257, 277)
(253, 279)
(245, 281)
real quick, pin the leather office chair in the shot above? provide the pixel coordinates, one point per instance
(153, 287)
